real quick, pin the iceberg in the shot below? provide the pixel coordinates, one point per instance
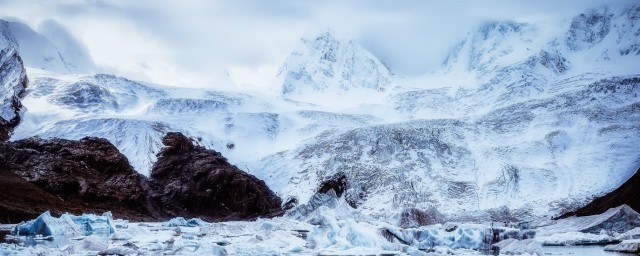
(48, 225)
(182, 222)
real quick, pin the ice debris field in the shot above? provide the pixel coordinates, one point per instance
(331, 229)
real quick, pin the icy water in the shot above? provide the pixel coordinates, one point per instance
(58, 241)
(580, 250)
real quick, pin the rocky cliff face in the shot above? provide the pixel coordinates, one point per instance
(90, 172)
(13, 81)
(190, 180)
(91, 175)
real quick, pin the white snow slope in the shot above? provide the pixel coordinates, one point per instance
(534, 117)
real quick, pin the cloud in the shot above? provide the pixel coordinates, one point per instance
(199, 43)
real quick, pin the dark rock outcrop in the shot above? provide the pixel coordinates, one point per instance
(91, 175)
(628, 193)
(192, 181)
(21, 200)
(337, 183)
(88, 174)
(413, 218)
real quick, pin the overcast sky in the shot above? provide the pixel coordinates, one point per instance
(197, 43)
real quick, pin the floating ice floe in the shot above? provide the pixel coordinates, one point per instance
(47, 225)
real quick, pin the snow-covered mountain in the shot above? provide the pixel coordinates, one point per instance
(52, 48)
(330, 65)
(532, 118)
(545, 110)
(13, 81)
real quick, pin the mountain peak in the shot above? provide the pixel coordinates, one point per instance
(494, 44)
(53, 48)
(326, 63)
(589, 29)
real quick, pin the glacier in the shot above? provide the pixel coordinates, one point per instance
(517, 108)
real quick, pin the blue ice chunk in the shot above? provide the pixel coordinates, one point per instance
(428, 237)
(91, 223)
(48, 225)
(182, 222)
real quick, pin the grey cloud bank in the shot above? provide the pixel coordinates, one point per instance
(201, 43)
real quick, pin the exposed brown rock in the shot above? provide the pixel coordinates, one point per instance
(192, 181)
(89, 174)
(21, 200)
(337, 183)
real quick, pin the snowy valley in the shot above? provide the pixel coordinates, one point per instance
(524, 122)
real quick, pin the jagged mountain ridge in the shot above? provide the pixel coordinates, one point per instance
(538, 111)
(328, 64)
(40, 51)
